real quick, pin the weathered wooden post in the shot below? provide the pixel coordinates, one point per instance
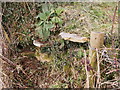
(96, 42)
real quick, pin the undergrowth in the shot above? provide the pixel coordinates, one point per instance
(25, 22)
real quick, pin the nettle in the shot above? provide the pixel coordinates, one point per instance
(48, 20)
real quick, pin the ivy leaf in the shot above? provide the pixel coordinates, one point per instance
(45, 7)
(40, 23)
(60, 22)
(39, 31)
(59, 10)
(49, 26)
(55, 19)
(62, 44)
(46, 33)
(80, 53)
(43, 16)
(47, 13)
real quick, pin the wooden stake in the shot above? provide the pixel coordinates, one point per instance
(96, 42)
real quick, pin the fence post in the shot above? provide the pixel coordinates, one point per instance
(96, 42)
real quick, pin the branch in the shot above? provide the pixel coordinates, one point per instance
(113, 20)
(8, 61)
(113, 27)
(87, 85)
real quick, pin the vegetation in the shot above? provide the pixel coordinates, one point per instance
(49, 20)
(60, 63)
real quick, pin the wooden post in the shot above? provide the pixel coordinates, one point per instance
(96, 42)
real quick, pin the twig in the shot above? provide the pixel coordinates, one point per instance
(8, 61)
(87, 73)
(31, 75)
(115, 70)
(18, 67)
(1, 81)
(113, 20)
(117, 49)
(113, 27)
(108, 66)
(29, 8)
(98, 70)
(111, 82)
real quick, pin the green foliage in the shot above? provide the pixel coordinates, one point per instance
(80, 53)
(57, 20)
(59, 85)
(49, 19)
(59, 10)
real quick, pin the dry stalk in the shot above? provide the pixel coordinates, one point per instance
(98, 70)
(115, 70)
(109, 49)
(87, 73)
(73, 71)
(113, 83)
(113, 41)
(29, 8)
(8, 61)
(113, 20)
(18, 67)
